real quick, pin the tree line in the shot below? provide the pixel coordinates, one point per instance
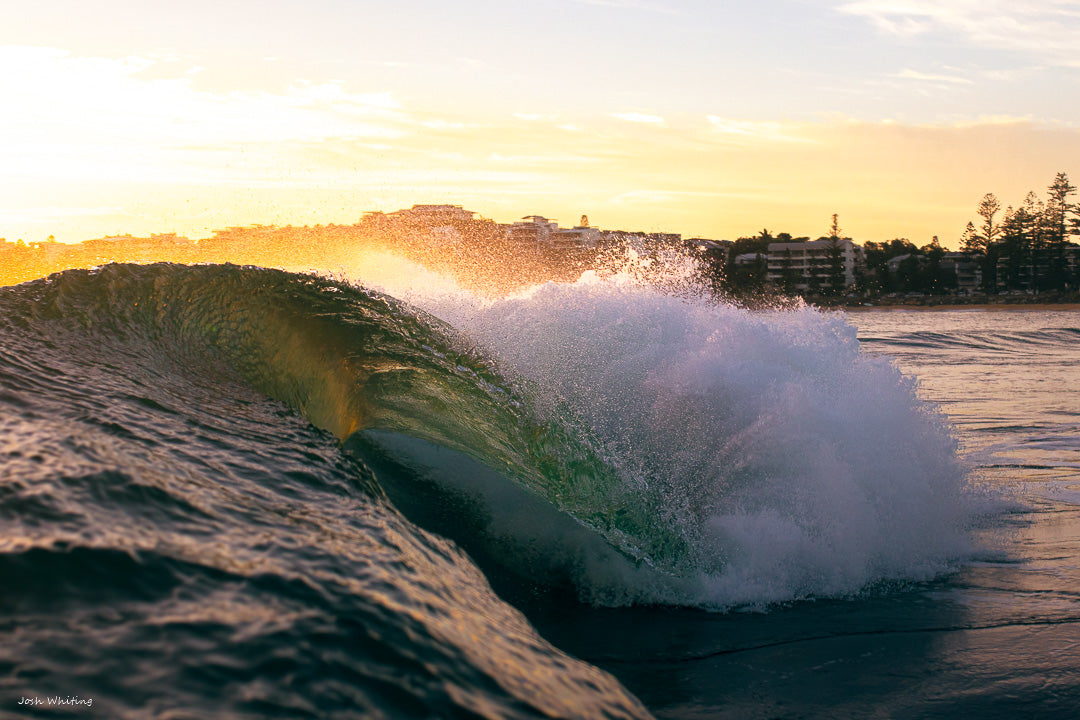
(1027, 247)
(918, 270)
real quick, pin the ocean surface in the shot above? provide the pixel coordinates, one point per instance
(236, 492)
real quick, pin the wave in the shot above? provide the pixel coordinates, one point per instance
(789, 463)
(640, 447)
(173, 538)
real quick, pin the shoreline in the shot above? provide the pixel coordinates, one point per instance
(1063, 301)
(973, 307)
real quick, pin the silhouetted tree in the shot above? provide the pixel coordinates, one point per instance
(970, 242)
(909, 274)
(934, 278)
(1058, 207)
(1037, 235)
(1057, 214)
(988, 208)
(834, 258)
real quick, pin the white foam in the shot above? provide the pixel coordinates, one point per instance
(792, 464)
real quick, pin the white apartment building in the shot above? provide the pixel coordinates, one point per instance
(536, 231)
(574, 238)
(804, 260)
(531, 231)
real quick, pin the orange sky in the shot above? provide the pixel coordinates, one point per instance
(680, 116)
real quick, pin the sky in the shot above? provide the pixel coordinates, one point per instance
(710, 118)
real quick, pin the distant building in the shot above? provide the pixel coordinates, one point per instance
(746, 259)
(966, 267)
(809, 261)
(532, 231)
(1030, 271)
(642, 243)
(892, 265)
(705, 245)
(375, 219)
(425, 225)
(574, 238)
(435, 215)
(664, 239)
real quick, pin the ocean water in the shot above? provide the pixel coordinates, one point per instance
(238, 492)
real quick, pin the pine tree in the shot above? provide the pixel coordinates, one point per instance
(834, 228)
(1058, 208)
(1036, 234)
(988, 208)
(1058, 212)
(835, 258)
(1011, 248)
(970, 242)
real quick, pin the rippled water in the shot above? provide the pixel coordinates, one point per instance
(1008, 379)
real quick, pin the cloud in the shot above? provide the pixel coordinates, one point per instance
(745, 131)
(636, 117)
(635, 197)
(1049, 29)
(991, 121)
(908, 74)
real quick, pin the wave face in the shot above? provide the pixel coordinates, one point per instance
(217, 468)
(173, 541)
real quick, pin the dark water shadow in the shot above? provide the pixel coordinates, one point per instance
(995, 639)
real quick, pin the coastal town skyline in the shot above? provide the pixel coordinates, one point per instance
(1028, 253)
(692, 117)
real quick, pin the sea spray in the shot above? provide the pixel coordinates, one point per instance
(790, 464)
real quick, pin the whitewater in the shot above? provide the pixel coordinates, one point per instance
(242, 492)
(787, 464)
